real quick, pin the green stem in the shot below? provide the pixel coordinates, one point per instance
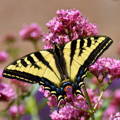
(88, 101)
(35, 44)
(18, 101)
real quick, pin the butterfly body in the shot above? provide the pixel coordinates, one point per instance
(61, 69)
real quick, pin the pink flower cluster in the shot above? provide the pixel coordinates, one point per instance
(31, 32)
(114, 105)
(75, 108)
(6, 92)
(16, 110)
(106, 66)
(1, 77)
(66, 26)
(69, 112)
(115, 116)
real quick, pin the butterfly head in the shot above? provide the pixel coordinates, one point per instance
(68, 88)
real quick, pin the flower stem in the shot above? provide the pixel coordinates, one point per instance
(35, 44)
(101, 94)
(88, 101)
(18, 102)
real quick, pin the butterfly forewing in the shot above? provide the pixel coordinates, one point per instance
(83, 52)
(40, 64)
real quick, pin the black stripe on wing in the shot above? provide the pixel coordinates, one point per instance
(60, 61)
(33, 63)
(27, 77)
(30, 59)
(73, 48)
(39, 56)
(89, 42)
(81, 44)
(23, 63)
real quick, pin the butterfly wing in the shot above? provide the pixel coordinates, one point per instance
(80, 54)
(38, 67)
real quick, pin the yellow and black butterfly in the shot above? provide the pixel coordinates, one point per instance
(62, 67)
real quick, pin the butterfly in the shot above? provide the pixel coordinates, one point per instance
(60, 68)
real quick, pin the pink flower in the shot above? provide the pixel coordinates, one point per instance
(107, 94)
(66, 26)
(1, 77)
(52, 101)
(6, 92)
(117, 96)
(107, 67)
(74, 110)
(114, 104)
(115, 116)
(110, 110)
(16, 110)
(3, 56)
(68, 112)
(74, 107)
(31, 32)
(43, 91)
(89, 29)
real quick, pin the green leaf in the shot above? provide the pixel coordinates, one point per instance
(98, 114)
(105, 104)
(89, 75)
